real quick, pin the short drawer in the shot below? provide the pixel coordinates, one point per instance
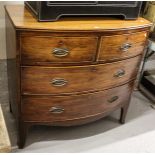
(118, 47)
(68, 80)
(46, 49)
(61, 108)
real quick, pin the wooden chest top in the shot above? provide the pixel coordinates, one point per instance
(23, 19)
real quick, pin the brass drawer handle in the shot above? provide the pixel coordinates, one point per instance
(120, 73)
(125, 47)
(58, 82)
(113, 99)
(56, 110)
(60, 52)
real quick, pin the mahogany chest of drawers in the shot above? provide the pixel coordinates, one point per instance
(73, 71)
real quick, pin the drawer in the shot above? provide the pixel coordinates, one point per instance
(118, 47)
(46, 49)
(61, 108)
(131, 38)
(67, 80)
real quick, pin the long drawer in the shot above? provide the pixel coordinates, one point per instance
(118, 47)
(68, 80)
(48, 49)
(61, 108)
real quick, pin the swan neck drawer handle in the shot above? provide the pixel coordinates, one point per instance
(58, 82)
(113, 99)
(56, 110)
(119, 73)
(125, 47)
(60, 52)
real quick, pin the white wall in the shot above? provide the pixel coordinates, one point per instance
(2, 26)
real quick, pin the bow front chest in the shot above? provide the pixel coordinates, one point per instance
(72, 71)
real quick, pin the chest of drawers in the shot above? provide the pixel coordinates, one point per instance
(73, 71)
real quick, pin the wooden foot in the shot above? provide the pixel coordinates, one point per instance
(23, 130)
(123, 114)
(10, 107)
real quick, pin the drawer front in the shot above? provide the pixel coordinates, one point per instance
(38, 49)
(66, 80)
(121, 46)
(61, 108)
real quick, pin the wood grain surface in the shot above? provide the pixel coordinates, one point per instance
(41, 48)
(75, 106)
(114, 53)
(117, 47)
(23, 19)
(37, 80)
(118, 40)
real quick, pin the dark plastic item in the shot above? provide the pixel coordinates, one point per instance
(53, 10)
(148, 81)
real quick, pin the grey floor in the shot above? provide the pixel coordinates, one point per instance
(105, 135)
